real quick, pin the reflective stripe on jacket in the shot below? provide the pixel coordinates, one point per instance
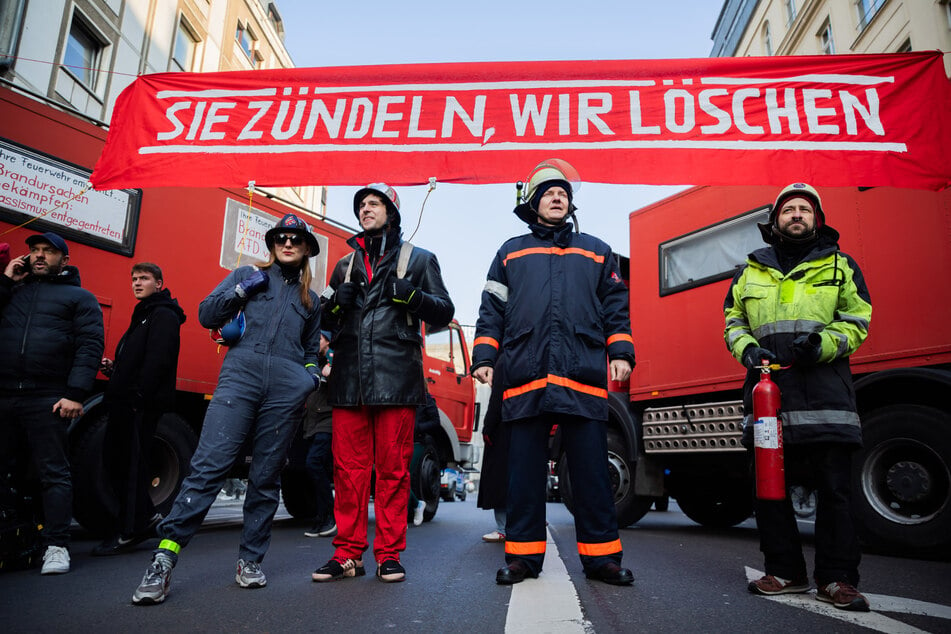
(826, 294)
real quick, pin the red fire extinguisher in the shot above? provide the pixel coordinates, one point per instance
(768, 439)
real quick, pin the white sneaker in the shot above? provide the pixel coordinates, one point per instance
(55, 560)
(493, 537)
(418, 513)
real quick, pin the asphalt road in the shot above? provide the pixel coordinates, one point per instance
(688, 579)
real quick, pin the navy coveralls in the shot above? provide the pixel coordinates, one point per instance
(260, 395)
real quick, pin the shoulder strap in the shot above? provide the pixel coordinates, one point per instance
(403, 262)
(346, 277)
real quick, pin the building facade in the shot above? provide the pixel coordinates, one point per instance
(817, 27)
(81, 54)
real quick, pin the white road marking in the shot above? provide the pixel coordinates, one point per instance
(549, 604)
(872, 620)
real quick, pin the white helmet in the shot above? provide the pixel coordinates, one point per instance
(549, 172)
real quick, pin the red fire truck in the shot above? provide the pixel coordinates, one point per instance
(675, 430)
(195, 235)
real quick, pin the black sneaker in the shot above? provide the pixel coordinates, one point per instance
(333, 570)
(322, 529)
(114, 546)
(119, 544)
(390, 571)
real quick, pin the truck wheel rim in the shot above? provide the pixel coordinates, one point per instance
(905, 481)
(620, 476)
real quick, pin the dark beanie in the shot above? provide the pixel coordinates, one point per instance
(544, 187)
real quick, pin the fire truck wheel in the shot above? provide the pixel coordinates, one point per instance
(901, 480)
(94, 503)
(425, 476)
(630, 507)
(717, 504)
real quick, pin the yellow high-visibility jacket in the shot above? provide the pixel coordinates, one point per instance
(824, 293)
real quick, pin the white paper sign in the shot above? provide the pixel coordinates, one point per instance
(42, 187)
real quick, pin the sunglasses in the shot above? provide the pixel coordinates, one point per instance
(295, 238)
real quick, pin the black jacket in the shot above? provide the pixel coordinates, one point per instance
(146, 360)
(377, 344)
(554, 310)
(51, 335)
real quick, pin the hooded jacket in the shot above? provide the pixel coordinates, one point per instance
(51, 335)
(824, 293)
(146, 359)
(554, 310)
(377, 344)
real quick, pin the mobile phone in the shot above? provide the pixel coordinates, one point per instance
(23, 262)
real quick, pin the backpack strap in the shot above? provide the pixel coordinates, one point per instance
(346, 277)
(406, 249)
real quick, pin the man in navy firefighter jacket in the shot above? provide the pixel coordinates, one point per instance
(554, 310)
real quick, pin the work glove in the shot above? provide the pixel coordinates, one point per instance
(346, 295)
(807, 348)
(314, 372)
(754, 355)
(404, 293)
(252, 284)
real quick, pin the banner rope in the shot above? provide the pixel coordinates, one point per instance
(49, 211)
(432, 186)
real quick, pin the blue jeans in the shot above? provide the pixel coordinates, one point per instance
(260, 398)
(320, 467)
(28, 427)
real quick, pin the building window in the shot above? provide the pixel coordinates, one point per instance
(83, 52)
(257, 60)
(245, 39)
(275, 19)
(867, 10)
(905, 47)
(183, 53)
(767, 39)
(790, 6)
(710, 254)
(825, 39)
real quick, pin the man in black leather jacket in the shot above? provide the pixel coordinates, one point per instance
(377, 381)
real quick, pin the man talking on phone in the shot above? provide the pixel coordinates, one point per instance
(51, 343)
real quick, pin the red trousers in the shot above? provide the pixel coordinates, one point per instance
(364, 438)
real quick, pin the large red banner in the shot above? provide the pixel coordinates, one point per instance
(864, 120)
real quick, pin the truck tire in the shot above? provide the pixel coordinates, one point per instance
(94, 502)
(630, 507)
(717, 505)
(901, 480)
(424, 478)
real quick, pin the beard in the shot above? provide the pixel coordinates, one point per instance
(51, 269)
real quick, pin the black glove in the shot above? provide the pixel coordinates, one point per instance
(346, 295)
(254, 283)
(404, 293)
(807, 348)
(753, 356)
